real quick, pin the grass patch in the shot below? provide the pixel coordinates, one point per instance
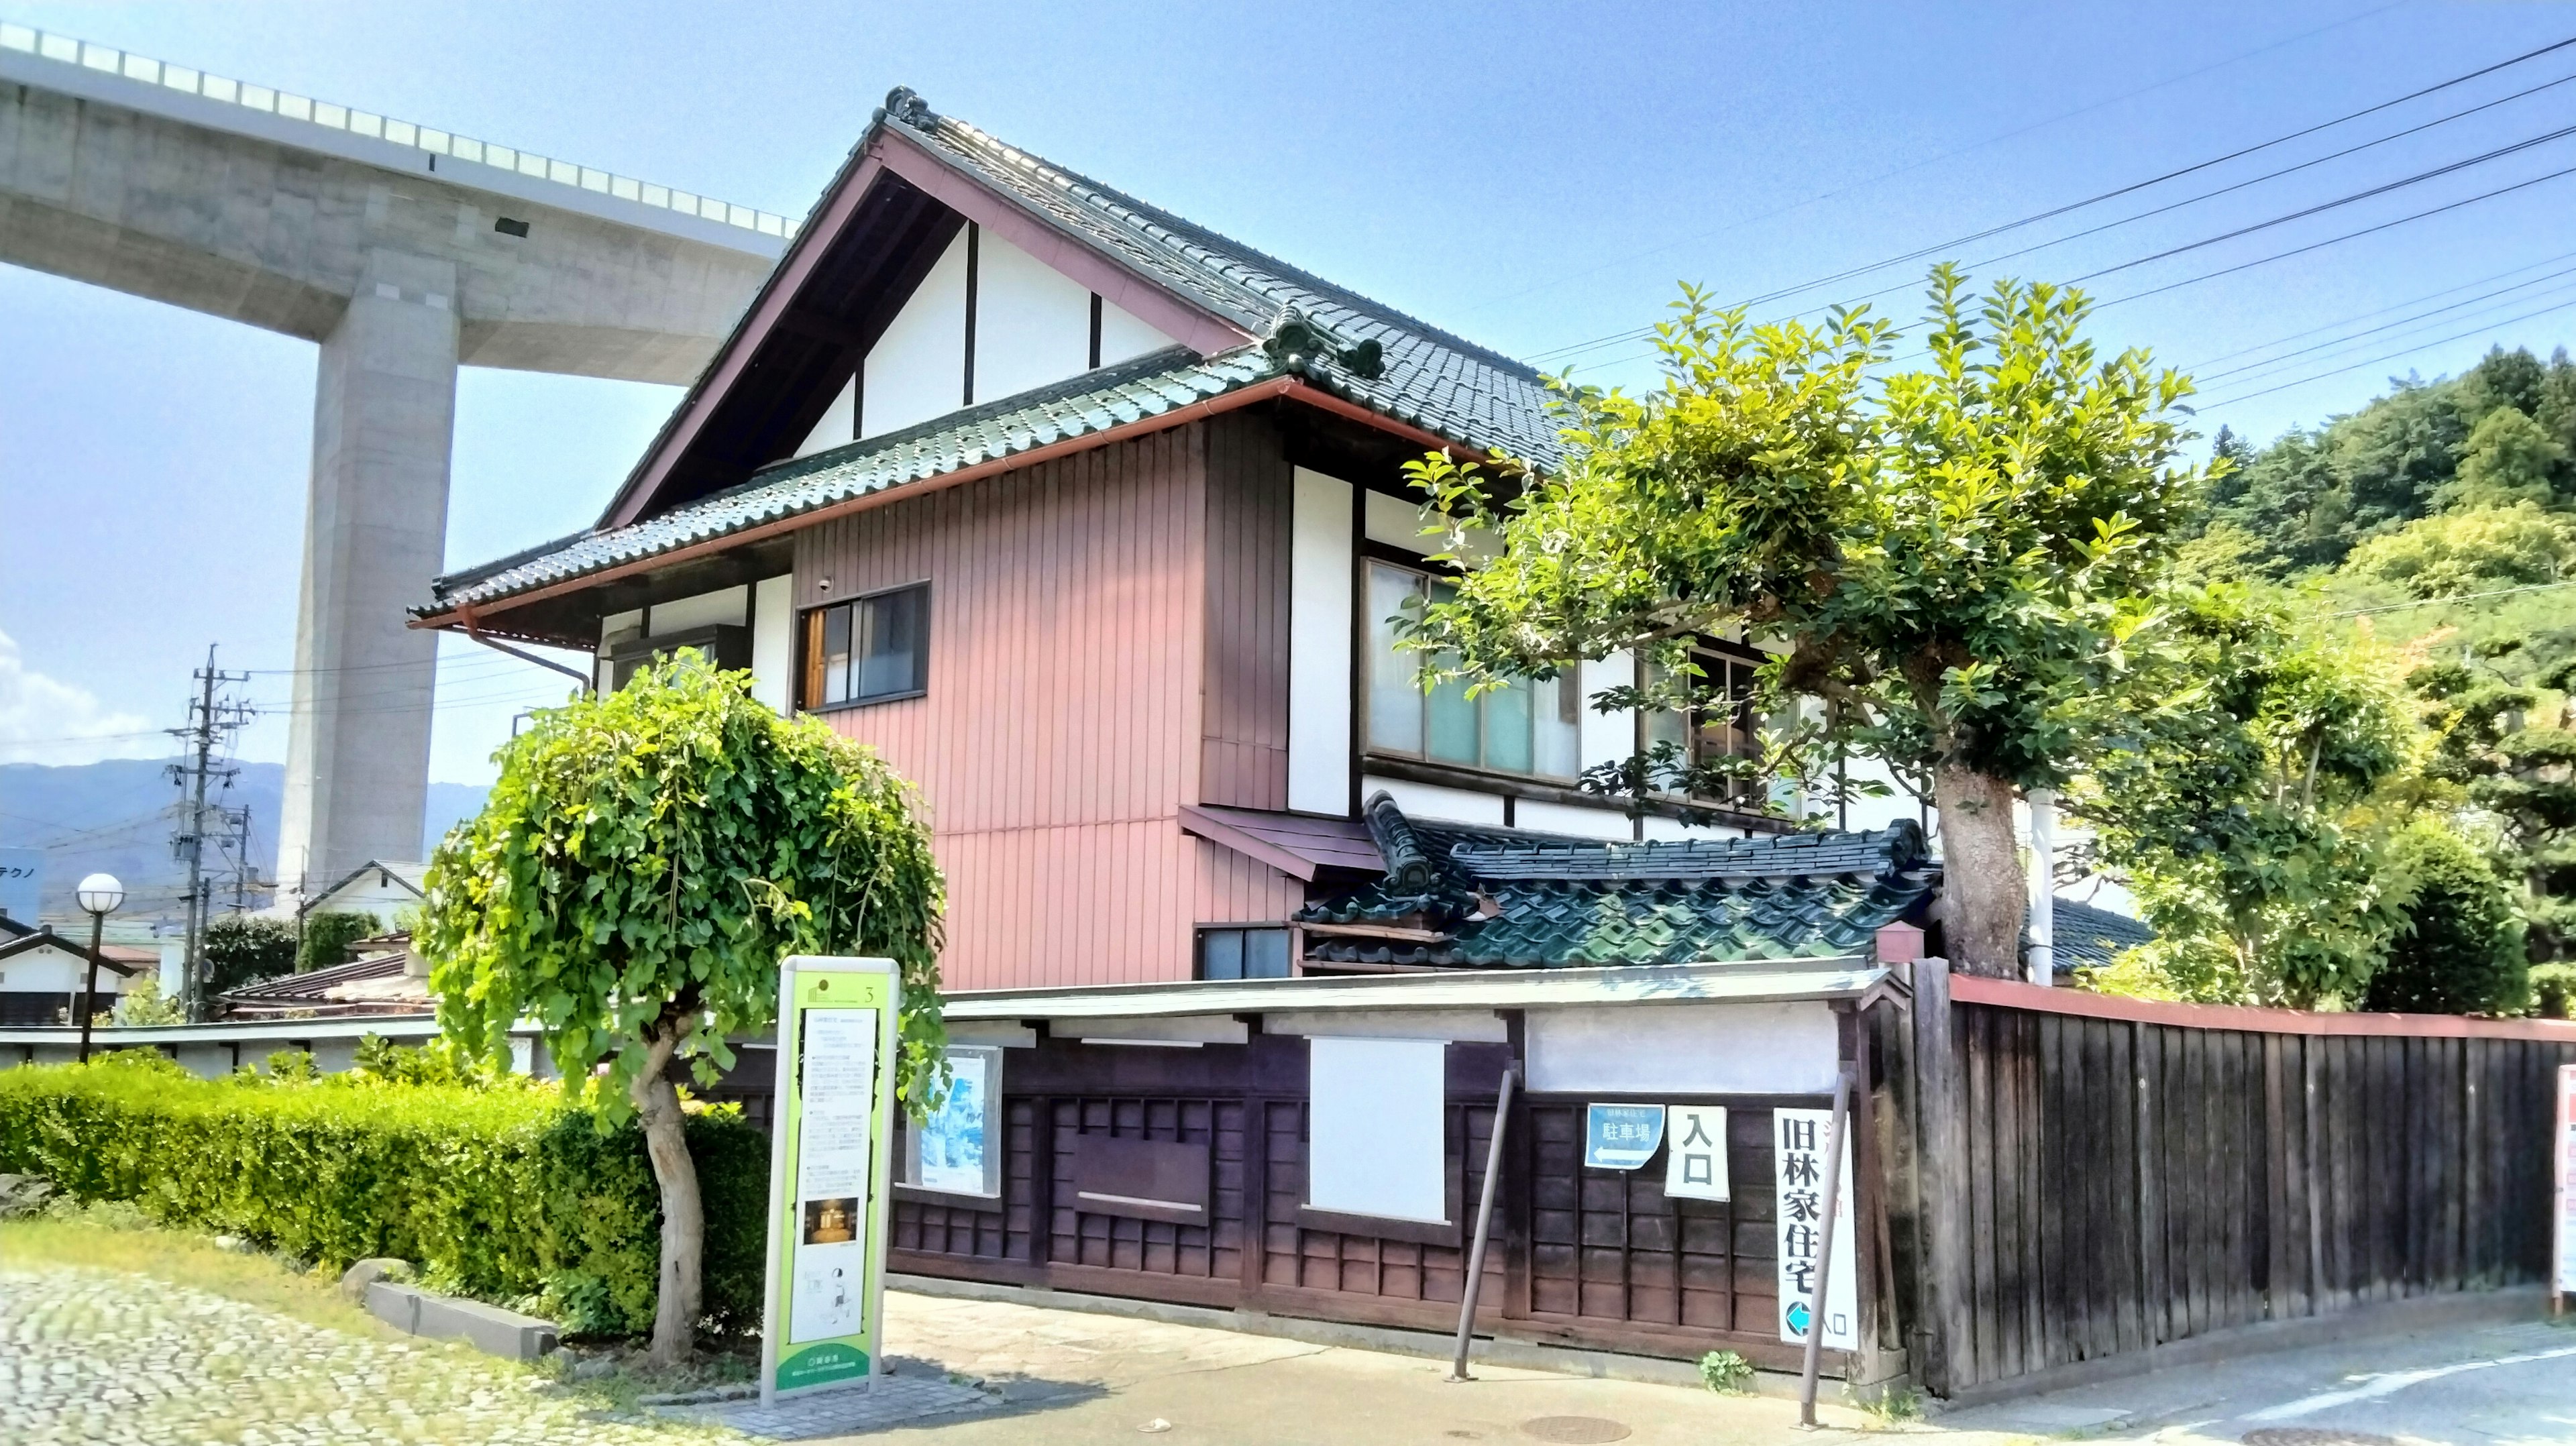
(120, 1238)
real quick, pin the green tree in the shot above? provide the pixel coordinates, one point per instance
(242, 947)
(2510, 459)
(2233, 806)
(327, 935)
(2458, 948)
(2479, 722)
(637, 873)
(1956, 560)
(2482, 549)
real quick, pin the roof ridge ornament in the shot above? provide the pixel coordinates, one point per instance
(906, 106)
(1297, 341)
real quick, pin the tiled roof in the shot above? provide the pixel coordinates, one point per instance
(1487, 896)
(1433, 379)
(1421, 375)
(1093, 402)
(2089, 938)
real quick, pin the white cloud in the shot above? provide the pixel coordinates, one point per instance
(43, 720)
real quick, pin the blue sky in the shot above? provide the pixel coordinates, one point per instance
(1533, 177)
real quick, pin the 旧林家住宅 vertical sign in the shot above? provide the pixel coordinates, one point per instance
(829, 1160)
(2562, 1149)
(1798, 1142)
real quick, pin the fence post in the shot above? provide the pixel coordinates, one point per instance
(1941, 1164)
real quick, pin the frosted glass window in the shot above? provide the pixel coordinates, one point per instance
(1530, 727)
(1376, 1127)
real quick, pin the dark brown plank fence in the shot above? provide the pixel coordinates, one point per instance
(2120, 1177)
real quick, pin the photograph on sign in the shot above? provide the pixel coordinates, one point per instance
(957, 1150)
(1799, 1140)
(1695, 1168)
(1621, 1137)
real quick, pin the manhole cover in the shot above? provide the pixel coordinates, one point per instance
(1575, 1430)
(2314, 1436)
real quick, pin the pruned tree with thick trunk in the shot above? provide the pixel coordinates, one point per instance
(638, 872)
(1953, 565)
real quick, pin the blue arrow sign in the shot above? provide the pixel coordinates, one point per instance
(1799, 1315)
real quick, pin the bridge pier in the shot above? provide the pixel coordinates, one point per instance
(375, 533)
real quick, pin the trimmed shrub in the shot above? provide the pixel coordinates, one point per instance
(500, 1194)
(2460, 949)
(2553, 991)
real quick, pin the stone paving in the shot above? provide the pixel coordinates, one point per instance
(88, 1356)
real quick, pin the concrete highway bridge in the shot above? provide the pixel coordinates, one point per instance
(404, 252)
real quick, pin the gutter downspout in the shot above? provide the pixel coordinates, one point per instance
(589, 682)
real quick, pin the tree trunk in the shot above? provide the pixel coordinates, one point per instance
(684, 1219)
(1983, 899)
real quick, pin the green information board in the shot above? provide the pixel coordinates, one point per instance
(831, 1153)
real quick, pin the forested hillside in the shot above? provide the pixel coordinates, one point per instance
(2429, 539)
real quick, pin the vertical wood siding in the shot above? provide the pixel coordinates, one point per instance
(1064, 723)
(1243, 743)
(2128, 1184)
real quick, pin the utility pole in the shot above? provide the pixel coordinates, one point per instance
(211, 725)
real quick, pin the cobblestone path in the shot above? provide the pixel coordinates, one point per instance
(87, 1356)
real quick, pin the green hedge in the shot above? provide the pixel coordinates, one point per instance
(500, 1194)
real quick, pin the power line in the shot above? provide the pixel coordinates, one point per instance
(1964, 150)
(2434, 602)
(2386, 357)
(2056, 211)
(2380, 311)
(2355, 338)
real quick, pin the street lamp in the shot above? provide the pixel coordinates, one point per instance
(99, 894)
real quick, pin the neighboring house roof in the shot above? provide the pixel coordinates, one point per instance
(39, 939)
(2089, 938)
(1456, 894)
(376, 984)
(1302, 846)
(1312, 334)
(406, 874)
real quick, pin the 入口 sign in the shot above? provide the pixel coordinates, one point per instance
(1798, 1140)
(830, 1159)
(1696, 1167)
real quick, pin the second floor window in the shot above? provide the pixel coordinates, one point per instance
(868, 649)
(1721, 726)
(1531, 727)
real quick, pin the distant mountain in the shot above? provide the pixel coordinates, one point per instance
(118, 815)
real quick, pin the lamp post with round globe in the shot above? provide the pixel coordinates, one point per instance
(99, 894)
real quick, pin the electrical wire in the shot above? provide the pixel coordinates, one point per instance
(2434, 602)
(2379, 311)
(2355, 338)
(2387, 357)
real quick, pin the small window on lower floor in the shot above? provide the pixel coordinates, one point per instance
(1254, 953)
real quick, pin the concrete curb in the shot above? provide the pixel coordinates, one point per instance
(488, 1328)
(1487, 1350)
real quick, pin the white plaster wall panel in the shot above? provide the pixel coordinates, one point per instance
(1608, 737)
(1395, 522)
(206, 1061)
(626, 622)
(1875, 813)
(773, 639)
(1481, 1026)
(917, 369)
(839, 426)
(1123, 335)
(1032, 322)
(1604, 823)
(1429, 800)
(1673, 828)
(1320, 561)
(730, 606)
(1684, 1049)
(54, 971)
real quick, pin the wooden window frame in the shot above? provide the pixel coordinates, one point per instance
(1378, 555)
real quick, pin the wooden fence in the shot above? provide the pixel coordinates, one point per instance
(2096, 1177)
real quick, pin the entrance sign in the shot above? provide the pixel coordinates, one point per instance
(1621, 1137)
(2562, 1147)
(829, 1160)
(1798, 1156)
(1696, 1168)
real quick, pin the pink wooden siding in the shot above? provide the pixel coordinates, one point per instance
(1062, 729)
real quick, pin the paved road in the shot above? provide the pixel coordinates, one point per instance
(92, 1357)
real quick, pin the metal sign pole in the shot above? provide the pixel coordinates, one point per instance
(1825, 1248)
(1484, 1222)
